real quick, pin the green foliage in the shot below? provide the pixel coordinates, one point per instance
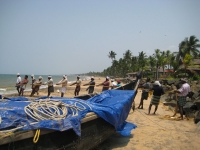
(189, 46)
(112, 55)
(170, 78)
(188, 49)
(187, 59)
(195, 77)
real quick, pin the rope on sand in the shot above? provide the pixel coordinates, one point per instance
(152, 121)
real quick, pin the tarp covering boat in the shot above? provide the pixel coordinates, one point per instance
(112, 105)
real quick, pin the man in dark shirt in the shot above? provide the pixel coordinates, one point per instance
(146, 87)
(157, 92)
(106, 84)
(91, 86)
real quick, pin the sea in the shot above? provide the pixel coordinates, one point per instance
(8, 81)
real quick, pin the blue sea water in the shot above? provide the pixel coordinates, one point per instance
(8, 81)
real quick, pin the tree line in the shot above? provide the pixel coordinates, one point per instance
(188, 50)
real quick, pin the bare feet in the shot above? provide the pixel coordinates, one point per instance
(180, 118)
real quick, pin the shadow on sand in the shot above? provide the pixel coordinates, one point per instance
(115, 141)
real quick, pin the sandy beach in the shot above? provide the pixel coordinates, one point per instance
(153, 131)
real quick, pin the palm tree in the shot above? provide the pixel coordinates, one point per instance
(160, 60)
(163, 60)
(152, 62)
(112, 55)
(182, 48)
(142, 60)
(115, 67)
(192, 46)
(127, 54)
(189, 46)
(186, 61)
(127, 59)
(168, 56)
(134, 64)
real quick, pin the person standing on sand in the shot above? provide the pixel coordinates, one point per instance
(106, 84)
(50, 85)
(146, 87)
(183, 92)
(63, 82)
(36, 86)
(78, 86)
(157, 92)
(23, 85)
(113, 84)
(33, 80)
(91, 86)
(18, 83)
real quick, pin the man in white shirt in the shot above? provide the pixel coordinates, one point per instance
(50, 85)
(18, 82)
(113, 84)
(78, 86)
(182, 94)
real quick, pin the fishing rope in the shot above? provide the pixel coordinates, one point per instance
(49, 110)
(152, 120)
(53, 110)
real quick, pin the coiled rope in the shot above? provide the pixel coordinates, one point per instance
(48, 110)
(53, 110)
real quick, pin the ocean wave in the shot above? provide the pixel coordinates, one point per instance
(3, 89)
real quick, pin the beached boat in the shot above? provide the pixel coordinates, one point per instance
(94, 130)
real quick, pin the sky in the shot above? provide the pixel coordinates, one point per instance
(75, 36)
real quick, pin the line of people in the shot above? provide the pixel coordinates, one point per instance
(35, 85)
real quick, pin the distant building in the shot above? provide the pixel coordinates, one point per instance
(168, 70)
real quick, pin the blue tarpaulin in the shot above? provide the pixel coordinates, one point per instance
(112, 105)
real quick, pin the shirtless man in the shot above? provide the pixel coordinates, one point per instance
(63, 82)
(36, 86)
(23, 85)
